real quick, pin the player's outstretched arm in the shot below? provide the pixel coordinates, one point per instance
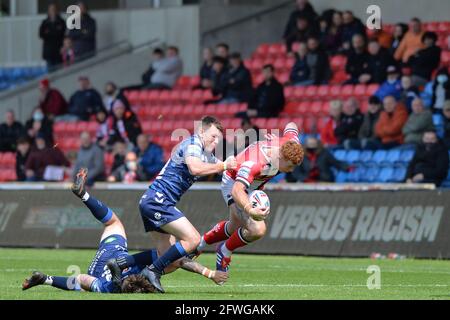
(199, 168)
(190, 265)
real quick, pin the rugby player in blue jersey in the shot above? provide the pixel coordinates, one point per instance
(113, 244)
(174, 235)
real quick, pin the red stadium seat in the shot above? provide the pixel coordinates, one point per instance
(347, 91)
(360, 90)
(289, 92)
(371, 89)
(323, 91)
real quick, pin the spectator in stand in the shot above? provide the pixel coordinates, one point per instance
(331, 36)
(131, 171)
(219, 76)
(150, 156)
(167, 70)
(305, 9)
(357, 66)
(120, 149)
(408, 93)
(207, 69)
(41, 158)
(430, 162)
(327, 135)
(411, 43)
(10, 131)
(379, 59)
(300, 70)
(85, 102)
(67, 52)
(347, 129)
(301, 33)
(113, 93)
(419, 122)
(399, 33)
(104, 129)
(392, 86)
(84, 39)
(51, 101)
(438, 91)
(223, 51)
(351, 26)
(383, 38)
(52, 32)
(316, 165)
(269, 96)
(367, 137)
(125, 126)
(22, 154)
(40, 124)
(239, 86)
(157, 56)
(90, 156)
(318, 62)
(389, 126)
(446, 115)
(426, 60)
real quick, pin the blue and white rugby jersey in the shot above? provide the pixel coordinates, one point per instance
(175, 179)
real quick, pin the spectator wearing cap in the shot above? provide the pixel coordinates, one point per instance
(85, 102)
(411, 43)
(301, 33)
(125, 126)
(419, 122)
(51, 101)
(347, 129)
(437, 91)
(389, 126)
(40, 124)
(426, 60)
(41, 157)
(430, 163)
(446, 117)
(367, 136)
(327, 135)
(10, 131)
(90, 156)
(378, 60)
(150, 156)
(52, 31)
(303, 9)
(239, 86)
(84, 39)
(22, 154)
(392, 86)
(357, 66)
(167, 70)
(409, 92)
(269, 99)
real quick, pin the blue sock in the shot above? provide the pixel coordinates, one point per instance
(174, 253)
(101, 212)
(140, 259)
(64, 283)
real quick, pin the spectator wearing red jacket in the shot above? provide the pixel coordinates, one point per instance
(51, 101)
(327, 133)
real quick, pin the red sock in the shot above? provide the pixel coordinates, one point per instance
(217, 234)
(236, 241)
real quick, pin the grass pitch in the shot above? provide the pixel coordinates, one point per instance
(251, 277)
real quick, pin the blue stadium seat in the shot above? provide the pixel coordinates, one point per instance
(365, 156)
(406, 156)
(356, 175)
(399, 174)
(352, 156)
(341, 177)
(392, 158)
(379, 157)
(386, 175)
(340, 154)
(371, 174)
(438, 120)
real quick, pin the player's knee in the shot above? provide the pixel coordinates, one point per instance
(193, 242)
(257, 231)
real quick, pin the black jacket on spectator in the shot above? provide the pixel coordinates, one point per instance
(378, 64)
(269, 99)
(349, 30)
(357, 64)
(367, 130)
(220, 81)
(319, 66)
(239, 84)
(52, 33)
(84, 39)
(447, 132)
(20, 166)
(85, 103)
(46, 130)
(131, 125)
(432, 162)
(307, 12)
(425, 61)
(299, 36)
(300, 71)
(9, 136)
(206, 71)
(348, 127)
(324, 162)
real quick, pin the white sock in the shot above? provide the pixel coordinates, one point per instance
(49, 281)
(202, 244)
(225, 251)
(85, 197)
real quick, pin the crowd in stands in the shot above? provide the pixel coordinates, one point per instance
(408, 109)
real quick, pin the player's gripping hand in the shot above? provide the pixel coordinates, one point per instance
(230, 163)
(220, 277)
(259, 214)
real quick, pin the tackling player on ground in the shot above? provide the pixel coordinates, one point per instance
(113, 244)
(257, 164)
(174, 235)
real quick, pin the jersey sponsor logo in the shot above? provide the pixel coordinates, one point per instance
(157, 215)
(159, 197)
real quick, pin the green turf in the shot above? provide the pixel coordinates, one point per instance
(251, 277)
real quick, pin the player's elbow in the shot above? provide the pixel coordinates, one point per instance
(238, 189)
